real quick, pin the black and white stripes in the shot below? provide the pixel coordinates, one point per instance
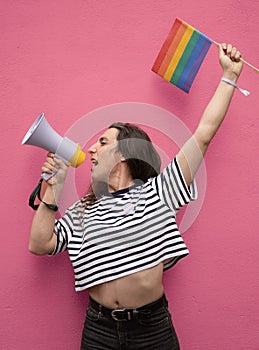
(126, 232)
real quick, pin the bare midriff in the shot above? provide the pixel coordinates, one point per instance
(131, 291)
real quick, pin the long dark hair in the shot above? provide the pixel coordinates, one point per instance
(139, 153)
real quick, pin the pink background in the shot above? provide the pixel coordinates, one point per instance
(67, 58)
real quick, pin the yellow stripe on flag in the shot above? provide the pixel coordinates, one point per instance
(178, 53)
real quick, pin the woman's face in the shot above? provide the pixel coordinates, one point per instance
(105, 156)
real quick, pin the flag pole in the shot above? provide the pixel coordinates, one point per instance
(250, 65)
(247, 63)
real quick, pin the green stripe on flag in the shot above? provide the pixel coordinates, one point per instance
(185, 57)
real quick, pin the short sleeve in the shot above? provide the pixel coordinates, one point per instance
(172, 188)
(64, 230)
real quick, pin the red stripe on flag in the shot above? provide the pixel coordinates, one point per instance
(166, 46)
(173, 47)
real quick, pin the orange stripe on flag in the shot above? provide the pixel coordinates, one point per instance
(168, 57)
(178, 53)
(166, 46)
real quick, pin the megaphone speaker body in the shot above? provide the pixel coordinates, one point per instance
(42, 135)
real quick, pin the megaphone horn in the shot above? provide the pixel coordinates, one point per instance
(42, 135)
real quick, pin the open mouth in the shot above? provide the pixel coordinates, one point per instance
(94, 162)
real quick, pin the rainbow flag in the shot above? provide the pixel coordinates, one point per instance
(181, 55)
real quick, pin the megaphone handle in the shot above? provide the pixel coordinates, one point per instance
(47, 176)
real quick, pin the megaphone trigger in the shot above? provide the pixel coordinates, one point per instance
(47, 176)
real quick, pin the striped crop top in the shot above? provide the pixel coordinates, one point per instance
(127, 232)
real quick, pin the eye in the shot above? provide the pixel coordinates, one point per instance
(102, 141)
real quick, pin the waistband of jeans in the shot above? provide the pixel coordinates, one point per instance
(126, 314)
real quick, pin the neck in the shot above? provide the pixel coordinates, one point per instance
(119, 182)
(120, 178)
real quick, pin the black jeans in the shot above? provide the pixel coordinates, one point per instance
(146, 328)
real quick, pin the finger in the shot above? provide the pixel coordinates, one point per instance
(224, 47)
(229, 50)
(238, 56)
(49, 165)
(50, 162)
(47, 168)
(233, 53)
(223, 50)
(51, 155)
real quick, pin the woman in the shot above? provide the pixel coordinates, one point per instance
(123, 234)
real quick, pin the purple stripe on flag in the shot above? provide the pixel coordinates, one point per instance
(197, 46)
(196, 66)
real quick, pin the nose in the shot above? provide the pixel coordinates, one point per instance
(92, 149)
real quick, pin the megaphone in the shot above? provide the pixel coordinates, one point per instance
(42, 135)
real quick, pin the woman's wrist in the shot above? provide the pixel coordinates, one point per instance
(52, 193)
(234, 85)
(230, 76)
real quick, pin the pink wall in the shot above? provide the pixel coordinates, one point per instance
(67, 58)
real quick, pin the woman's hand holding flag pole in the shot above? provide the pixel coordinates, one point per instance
(245, 62)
